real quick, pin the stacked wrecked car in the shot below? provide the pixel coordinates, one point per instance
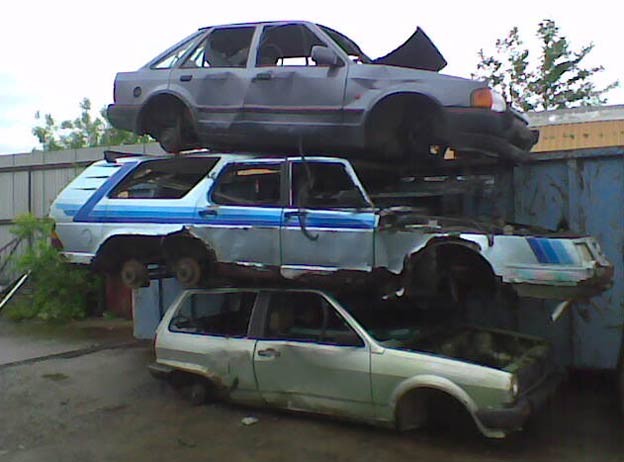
(352, 209)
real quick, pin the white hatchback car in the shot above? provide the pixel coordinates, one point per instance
(380, 362)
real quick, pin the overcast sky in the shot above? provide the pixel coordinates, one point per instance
(54, 53)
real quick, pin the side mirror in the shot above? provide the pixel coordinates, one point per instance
(324, 56)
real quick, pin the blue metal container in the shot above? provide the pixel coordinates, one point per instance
(582, 191)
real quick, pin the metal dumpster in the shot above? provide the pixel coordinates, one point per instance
(583, 191)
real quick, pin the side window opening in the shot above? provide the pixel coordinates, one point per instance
(223, 314)
(307, 317)
(227, 47)
(244, 184)
(324, 185)
(172, 58)
(287, 45)
(163, 179)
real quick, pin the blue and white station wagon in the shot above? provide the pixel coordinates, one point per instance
(207, 216)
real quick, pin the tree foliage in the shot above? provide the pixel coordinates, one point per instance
(557, 79)
(84, 131)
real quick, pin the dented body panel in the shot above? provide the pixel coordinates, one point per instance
(359, 378)
(259, 104)
(286, 239)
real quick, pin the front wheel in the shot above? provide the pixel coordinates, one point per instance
(188, 271)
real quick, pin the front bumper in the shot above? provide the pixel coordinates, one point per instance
(512, 418)
(124, 117)
(502, 134)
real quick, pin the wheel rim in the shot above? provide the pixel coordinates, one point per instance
(134, 274)
(188, 271)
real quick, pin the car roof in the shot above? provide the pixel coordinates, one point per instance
(258, 23)
(226, 156)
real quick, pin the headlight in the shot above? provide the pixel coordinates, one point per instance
(513, 386)
(488, 99)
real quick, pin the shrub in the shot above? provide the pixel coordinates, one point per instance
(60, 291)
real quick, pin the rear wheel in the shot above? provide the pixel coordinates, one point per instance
(170, 136)
(134, 274)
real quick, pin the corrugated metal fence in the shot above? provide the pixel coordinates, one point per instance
(30, 182)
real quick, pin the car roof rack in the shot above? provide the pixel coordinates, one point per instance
(111, 156)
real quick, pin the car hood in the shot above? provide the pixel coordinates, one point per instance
(418, 52)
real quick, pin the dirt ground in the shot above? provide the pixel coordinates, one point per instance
(104, 406)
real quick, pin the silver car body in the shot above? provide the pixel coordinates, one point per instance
(255, 107)
(364, 382)
(355, 241)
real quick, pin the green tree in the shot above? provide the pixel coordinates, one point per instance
(84, 131)
(556, 80)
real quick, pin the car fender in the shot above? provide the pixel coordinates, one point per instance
(429, 381)
(162, 230)
(433, 382)
(184, 98)
(401, 90)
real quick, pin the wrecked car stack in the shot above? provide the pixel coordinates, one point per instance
(326, 170)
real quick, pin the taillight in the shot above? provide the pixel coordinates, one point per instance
(55, 241)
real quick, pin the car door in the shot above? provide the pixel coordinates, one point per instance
(308, 358)
(241, 214)
(287, 87)
(329, 224)
(214, 77)
(207, 334)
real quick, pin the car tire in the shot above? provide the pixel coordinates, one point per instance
(134, 274)
(198, 393)
(170, 137)
(188, 271)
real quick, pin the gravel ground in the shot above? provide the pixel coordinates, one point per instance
(105, 406)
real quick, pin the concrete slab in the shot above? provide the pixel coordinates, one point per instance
(29, 340)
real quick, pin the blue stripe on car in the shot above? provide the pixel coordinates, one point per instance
(550, 251)
(84, 214)
(132, 212)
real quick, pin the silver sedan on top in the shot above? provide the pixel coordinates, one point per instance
(290, 85)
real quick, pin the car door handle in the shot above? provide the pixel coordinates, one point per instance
(269, 353)
(263, 76)
(207, 212)
(186, 78)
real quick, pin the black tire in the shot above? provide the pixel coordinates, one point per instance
(188, 271)
(134, 274)
(620, 379)
(170, 136)
(198, 393)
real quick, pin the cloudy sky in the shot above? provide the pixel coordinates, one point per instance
(55, 53)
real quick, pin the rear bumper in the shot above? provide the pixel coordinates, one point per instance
(160, 371)
(512, 418)
(503, 134)
(560, 283)
(123, 117)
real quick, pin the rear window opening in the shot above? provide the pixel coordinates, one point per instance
(220, 314)
(164, 179)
